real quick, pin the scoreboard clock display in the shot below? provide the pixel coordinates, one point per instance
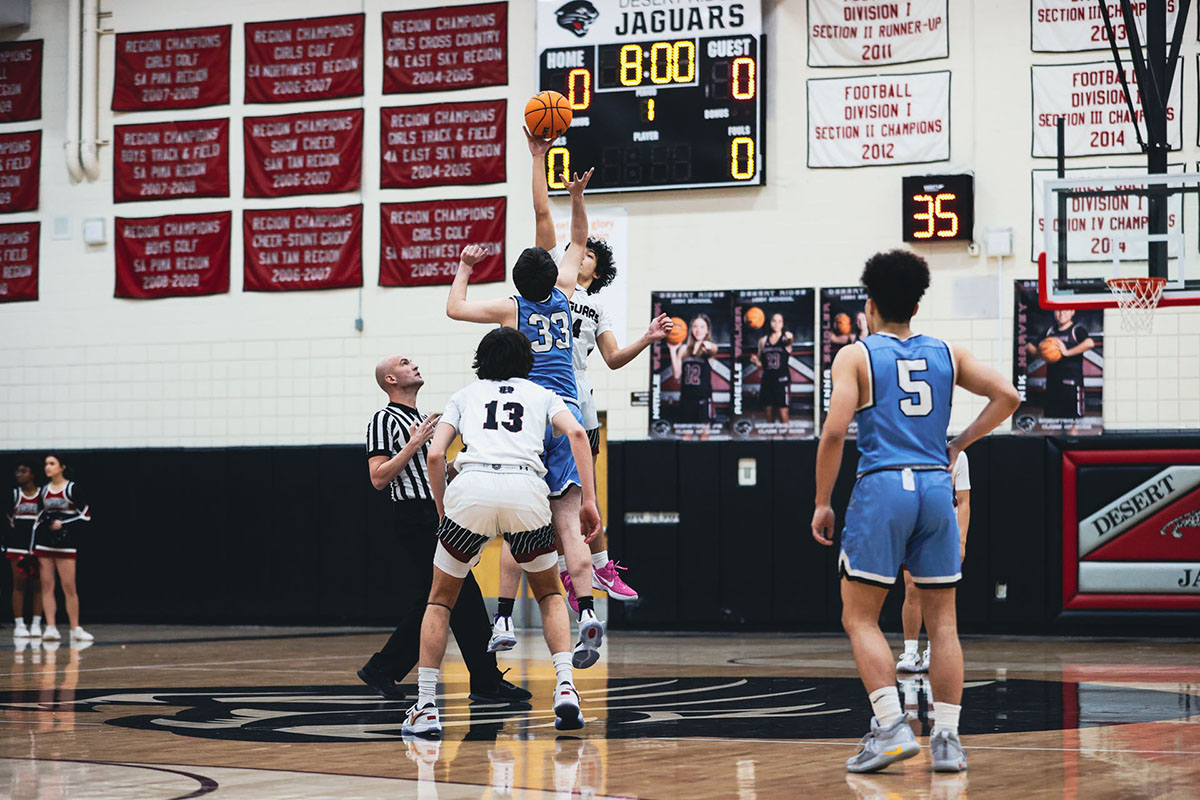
(938, 208)
(663, 96)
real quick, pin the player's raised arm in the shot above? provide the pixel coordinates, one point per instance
(847, 366)
(589, 515)
(568, 268)
(436, 462)
(544, 223)
(616, 356)
(501, 311)
(978, 378)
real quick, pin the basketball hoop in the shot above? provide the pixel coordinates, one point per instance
(1137, 298)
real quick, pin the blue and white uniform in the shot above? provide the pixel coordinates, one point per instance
(549, 328)
(902, 508)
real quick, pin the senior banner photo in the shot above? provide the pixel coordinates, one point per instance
(691, 376)
(864, 33)
(774, 371)
(842, 317)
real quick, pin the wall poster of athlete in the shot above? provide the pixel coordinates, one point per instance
(843, 320)
(1058, 366)
(691, 375)
(774, 378)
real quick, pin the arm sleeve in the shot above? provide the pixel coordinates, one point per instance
(379, 435)
(962, 473)
(604, 324)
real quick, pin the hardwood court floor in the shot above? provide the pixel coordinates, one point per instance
(185, 712)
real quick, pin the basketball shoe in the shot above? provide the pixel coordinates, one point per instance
(883, 746)
(606, 578)
(948, 753)
(422, 722)
(591, 636)
(568, 715)
(19, 629)
(503, 637)
(51, 633)
(572, 600)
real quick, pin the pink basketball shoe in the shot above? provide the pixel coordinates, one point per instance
(606, 578)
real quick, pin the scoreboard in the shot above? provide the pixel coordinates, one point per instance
(663, 96)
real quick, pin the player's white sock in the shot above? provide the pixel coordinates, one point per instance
(599, 559)
(37, 620)
(945, 717)
(427, 680)
(562, 668)
(562, 564)
(910, 646)
(885, 703)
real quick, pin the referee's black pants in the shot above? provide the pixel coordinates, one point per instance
(416, 526)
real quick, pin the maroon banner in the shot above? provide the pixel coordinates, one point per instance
(185, 68)
(452, 47)
(20, 168)
(167, 160)
(21, 81)
(316, 153)
(420, 242)
(304, 59)
(174, 256)
(440, 144)
(19, 261)
(302, 248)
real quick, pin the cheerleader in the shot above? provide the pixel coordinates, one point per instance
(24, 512)
(56, 539)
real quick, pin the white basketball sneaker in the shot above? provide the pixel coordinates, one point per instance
(19, 629)
(569, 717)
(909, 662)
(423, 721)
(51, 632)
(78, 634)
(503, 637)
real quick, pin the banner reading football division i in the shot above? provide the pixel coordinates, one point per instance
(304, 59)
(20, 168)
(302, 248)
(879, 120)
(186, 68)
(173, 256)
(316, 153)
(438, 49)
(420, 242)
(19, 261)
(865, 33)
(21, 80)
(442, 144)
(167, 160)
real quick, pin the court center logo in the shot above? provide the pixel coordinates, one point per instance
(577, 16)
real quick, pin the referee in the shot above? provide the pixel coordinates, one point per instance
(397, 446)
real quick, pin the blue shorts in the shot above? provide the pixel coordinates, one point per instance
(902, 517)
(556, 455)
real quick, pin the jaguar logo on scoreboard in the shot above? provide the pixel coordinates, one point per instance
(577, 16)
(1131, 529)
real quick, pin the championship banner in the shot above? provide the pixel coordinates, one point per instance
(843, 320)
(302, 248)
(21, 80)
(774, 377)
(1090, 98)
(420, 242)
(19, 261)
(452, 47)
(186, 68)
(691, 374)
(1065, 26)
(169, 160)
(866, 33)
(304, 59)
(174, 256)
(1058, 366)
(317, 153)
(442, 144)
(878, 120)
(1099, 227)
(20, 171)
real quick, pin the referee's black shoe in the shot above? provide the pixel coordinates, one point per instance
(381, 683)
(499, 692)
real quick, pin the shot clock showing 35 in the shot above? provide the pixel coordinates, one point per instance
(663, 97)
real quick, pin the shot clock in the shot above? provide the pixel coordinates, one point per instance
(663, 96)
(938, 208)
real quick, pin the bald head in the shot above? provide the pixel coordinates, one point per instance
(398, 373)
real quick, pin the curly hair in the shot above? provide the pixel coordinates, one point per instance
(896, 281)
(606, 270)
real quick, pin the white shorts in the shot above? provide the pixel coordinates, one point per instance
(587, 402)
(483, 503)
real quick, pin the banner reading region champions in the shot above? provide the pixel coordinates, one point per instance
(691, 375)
(302, 248)
(304, 59)
(843, 320)
(877, 120)
(175, 256)
(186, 68)
(773, 371)
(317, 153)
(420, 242)
(442, 144)
(21, 80)
(165, 160)
(1063, 26)
(19, 262)
(1099, 228)
(1058, 366)
(452, 47)
(864, 33)
(1090, 98)
(20, 170)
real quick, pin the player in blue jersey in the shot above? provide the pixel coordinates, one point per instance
(900, 385)
(541, 310)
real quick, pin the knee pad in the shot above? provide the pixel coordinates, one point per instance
(542, 563)
(451, 565)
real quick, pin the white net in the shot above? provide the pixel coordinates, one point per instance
(1137, 298)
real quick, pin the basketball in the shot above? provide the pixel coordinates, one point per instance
(548, 115)
(1051, 349)
(841, 324)
(679, 331)
(755, 317)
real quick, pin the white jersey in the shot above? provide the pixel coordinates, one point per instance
(503, 422)
(962, 473)
(591, 320)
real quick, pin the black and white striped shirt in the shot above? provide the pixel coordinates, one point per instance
(386, 436)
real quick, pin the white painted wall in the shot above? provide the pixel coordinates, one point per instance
(82, 369)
